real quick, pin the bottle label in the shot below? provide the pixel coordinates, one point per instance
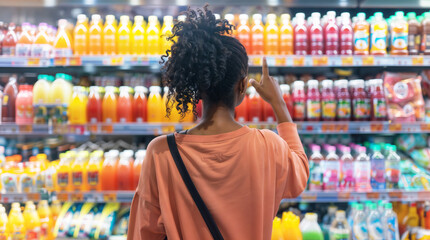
(362, 175)
(27, 184)
(77, 178)
(44, 227)
(344, 108)
(316, 178)
(23, 50)
(313, 109)
(93, 178)
(33, 234)
(8, 51)
(20, 111)
(18, 234)
(124, 37)
(328, 108)
(299, 110)
(63, 52)
(41, 50)
(332, 39)
(427, 42)
(361, 108)
(39, 183)
(391, 228)
(380, 108)
(399, 40)
(414, 41)
(376, 231)
(331, 175)
(360, 231)
(361, 40)
(347, 175)
(379, 40)
(49, 181)
(377, 180)
(339, 234)
(62, 179)
(346, 38)
(393, 176)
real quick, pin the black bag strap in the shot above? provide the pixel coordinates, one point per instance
(204, 211)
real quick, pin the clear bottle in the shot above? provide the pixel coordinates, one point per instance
(359, 224)
(390, 223)
(399, 35)
(328, 220)
(392, 168)
(362, 173)
(310, 228)
(313, 101)
(315, 163)
(377, 164)
(347, 181)
(351, 215)
(339, 229)
(331, 170)
(374, 223)
(299, 101)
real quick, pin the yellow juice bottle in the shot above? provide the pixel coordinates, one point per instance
(153, 36)
(286, 36)
(94, 169)
(155, 105)
(138, 36)
(64, 176)
(124, 33)
(3, 223)
(95, 46)
(81, 35)
(46, 224)
(271, 36)
(109, 36)
(55, 211)
(15, 224)
(79, 172)
(165, 33)
(31, 222)
(78, 106)
(63, 46)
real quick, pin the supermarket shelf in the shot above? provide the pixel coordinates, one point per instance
(254, 61)
(142, 129)
(97, 197)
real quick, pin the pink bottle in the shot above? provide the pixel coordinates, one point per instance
(360, 101)
(343, 109)
(299, 101)
(300, 35)
(328, 101)
(331, 35)
(24, 105)
(346, 35)
(362, 170)
(316, 35)
(313, 101)
(347, 181)
(377, 97)
(315, 162)
(331, 170)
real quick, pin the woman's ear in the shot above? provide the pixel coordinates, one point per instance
(242, 85)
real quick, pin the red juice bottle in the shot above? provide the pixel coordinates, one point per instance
(331, 35)
(343, 110)
(313, 101)
(300, 35)
(346, 35)
(9, 98)
(94, 105)
(268, 113)
(328, 101)
(299, 101)
(255, 106)
(124, 105)
(360, 102)
(285, 89)
(9, 41)
(377, 97)
(316, 35)
(140, 104)
(242, 110)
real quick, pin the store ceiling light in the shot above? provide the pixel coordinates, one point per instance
(273, 2)
(89, 2)
(49, 3)
(182, 2)
(424, 3)
(343, 3)
(135, 2)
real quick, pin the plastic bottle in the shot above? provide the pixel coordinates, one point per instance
(374, 223)
(377, 97)
(109, 177)
(140, 104)
(328, 220)
(166, 31)
(241, 111)
(300, 35)
(339, 229)
(346, 35)
(316, 42)
(286, 38)
(360, 101)
(31, 222)
(61, 89)
(125, 171)
(109, 36)
(362, 170)
(41, 46)
(277, 233)
(399, 35)
(3, 223)
(138, 36)
(390, 223)
(411, 220)
(64, 175)
(290, 226)
(313, 101)
(285, 89)
(378, 33)
(271, 36)
(343, 109)
(299, 101)
(331, 170)
(257, 35)
(93, 171)
(425, 40)
(25, 40)
(331, 35)
(15, 224)
(63, 41)
(255, 106)
(392, 168)
(347, 181)
(81, 36)
(55, 210)
(155, 105)
(24, 105)
(137, 166)
(124, 36)
(153, 36)
(94, 106)
(310, 228)
(316, 161)
(125, 105)
(109, 105)
(9, 41)
(79, 172)
(359, 224)
(414, 34)
(244, 32)
(361, 35)
(328, 101)
(78, 106)
(41, 90)
(46, 223)
(95, 36)
(377, 163)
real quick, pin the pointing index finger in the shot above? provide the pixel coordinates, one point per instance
(265, 72)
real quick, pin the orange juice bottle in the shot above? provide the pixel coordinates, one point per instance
(155, 105)
(41, 46)
(138, 36)
(95, 46)
(153, 36)
(271, 35)
(361, 35)
(124, 33)
(399, 35)
(3, 223)
(63, 41)
(244, 33)
(109, 177)
(109, 36)
(257, 35)
(79, 172)
(109, 105)
(23, 46)
(125, 170)
(165, 33)
(64, 175)
(31, 222)
(94, 169)
(81, 36)
(46, 223)
(230, 18)
(15, 224)
(286, 36)
(55, 210)
(78, 106)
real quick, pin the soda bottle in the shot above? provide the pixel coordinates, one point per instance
(244, 33)
(153, 36)
(166, 32)
(361, 35)
(399, 35)
(23, 46)
(257, 35)
(109, 36)
(414, 34)
(63, 41)
(377, 97)
(362, 170)
(331, 169)
(286, 36)
(346, 35)
(300, 35)
(359, 224)
(124, 36)
(94, 105)
(425, 41)
(377, 163)
(331, 35)
(140, 104)
(271, 34)
(310, 228)
(9, 41)
(339, 229)
(95, 36)
(316, 35)
(41, 46)
(313, 101)
(378, 33)
(328, 101)
(360, 101)
(255, 106)
(138, 36)
(347, 181)
(81, 35)
(390, 223)
(285, 89)
(124, 105)
(316, 165)
(299, 101)
(392, 168)
(343, 109)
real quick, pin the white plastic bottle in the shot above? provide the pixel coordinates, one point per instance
(392, 168)
(374, 224)
(359, 224)
(390, 223)
(310, 227)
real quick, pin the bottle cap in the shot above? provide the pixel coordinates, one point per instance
(82, 18)
(181, 18)
(313, 83)
(168, 19)
(229, 17)
(299, 83)
(61, 75)
(138, 18)
(340, 214)
(96, 17)
(257, 17)
(124, 19)
(300, 15)
(361, 15)
(400, 14)
(285, 17)
(217, 16)
(316, 15)
(152, 19)
(110, 89)
(42, 76)
(327, 83)
(155, 89)
(388, 206)
(271, 17)
(110, 18)
(411, 15)
(285, 88)
(359, 207)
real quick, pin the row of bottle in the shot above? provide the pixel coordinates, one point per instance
(338, 169)
(32, 224)
(331, 35)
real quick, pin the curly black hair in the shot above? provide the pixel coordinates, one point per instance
(204, 62)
